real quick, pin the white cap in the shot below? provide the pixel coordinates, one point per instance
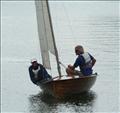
(33, 60)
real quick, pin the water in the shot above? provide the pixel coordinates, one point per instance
(98, 33)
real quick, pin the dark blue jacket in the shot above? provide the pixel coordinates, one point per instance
(41, 75)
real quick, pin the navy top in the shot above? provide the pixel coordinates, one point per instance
(42, 74)
(81, 63)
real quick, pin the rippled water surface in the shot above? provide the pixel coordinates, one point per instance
(99, 34)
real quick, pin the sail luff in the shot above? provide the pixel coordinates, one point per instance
(54, 43)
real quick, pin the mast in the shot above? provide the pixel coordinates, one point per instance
(56, 52)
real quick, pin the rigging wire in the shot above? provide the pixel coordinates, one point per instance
(69, 21)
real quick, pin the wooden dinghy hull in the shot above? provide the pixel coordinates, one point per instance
(63, 87)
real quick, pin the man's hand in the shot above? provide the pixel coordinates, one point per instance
(70, 66)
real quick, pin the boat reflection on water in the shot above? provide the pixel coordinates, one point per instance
(82, 103)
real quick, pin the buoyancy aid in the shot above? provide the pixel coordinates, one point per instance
(87, 60)
(36, 72)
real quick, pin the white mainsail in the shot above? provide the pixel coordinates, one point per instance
(45, 31)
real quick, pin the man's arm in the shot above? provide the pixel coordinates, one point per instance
(93, 62)
(93, 59)
(45, 73)
(32, 76)
(76, 64)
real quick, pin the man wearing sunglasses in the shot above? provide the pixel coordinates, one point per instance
(84, 61)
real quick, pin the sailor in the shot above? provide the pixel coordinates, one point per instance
(84, 61)
(38, 73)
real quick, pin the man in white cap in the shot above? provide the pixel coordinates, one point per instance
(38, 73)
(84, 61)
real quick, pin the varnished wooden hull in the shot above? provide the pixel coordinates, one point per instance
(62, 87)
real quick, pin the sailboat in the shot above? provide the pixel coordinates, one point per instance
(60, 85)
